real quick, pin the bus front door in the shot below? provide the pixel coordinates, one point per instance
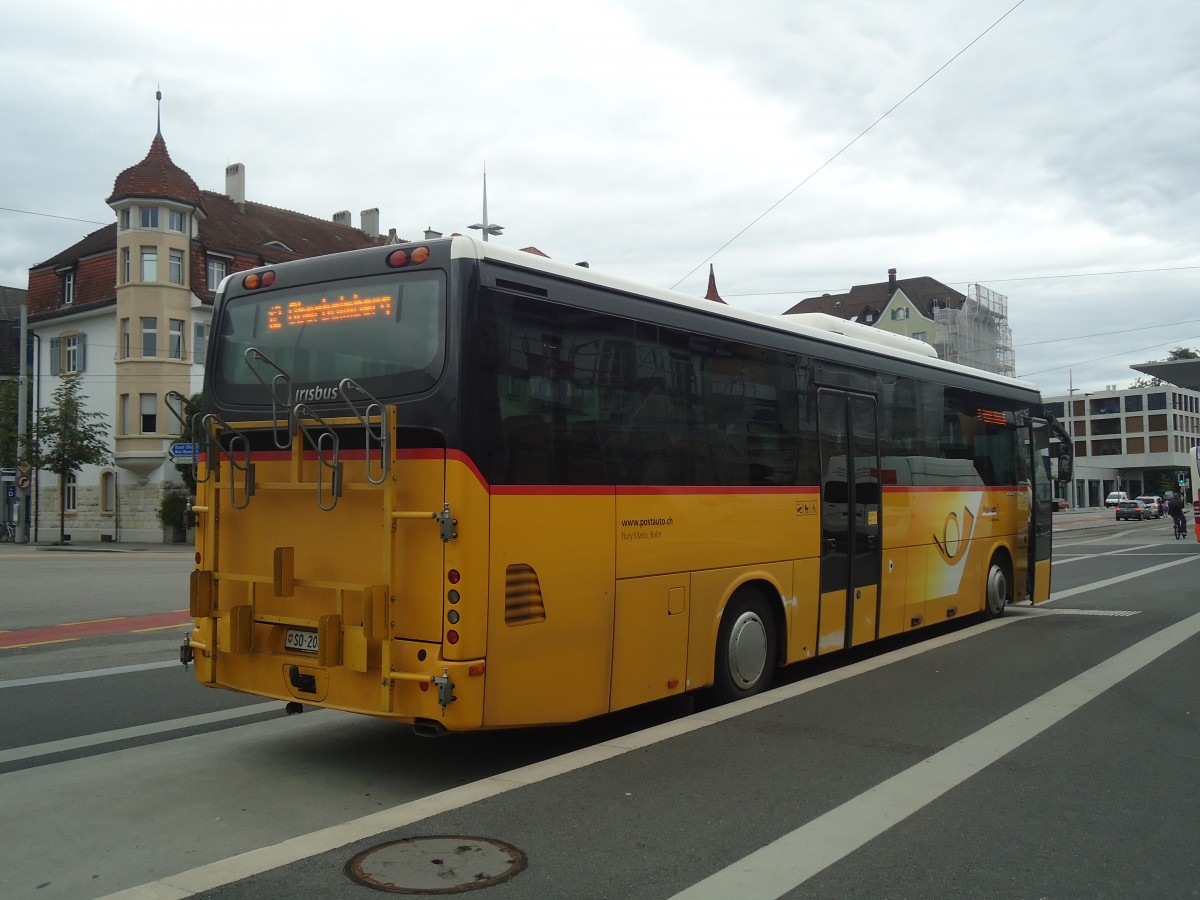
(851, 520)
(1041, 513)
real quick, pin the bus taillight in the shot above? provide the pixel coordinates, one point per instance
(254, 281)
(398, 259)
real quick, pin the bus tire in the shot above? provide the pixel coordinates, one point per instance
(747, 647)
(996, 588)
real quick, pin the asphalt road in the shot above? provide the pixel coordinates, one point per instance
(1051, 755)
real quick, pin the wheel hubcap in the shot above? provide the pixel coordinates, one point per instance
(747, 650)
(997, 590)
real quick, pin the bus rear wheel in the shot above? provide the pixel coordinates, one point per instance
(746, 649)
(996, 598)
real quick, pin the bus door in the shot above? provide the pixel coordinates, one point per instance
(851, 519)
(1041, 512)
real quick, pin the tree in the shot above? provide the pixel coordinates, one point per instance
(1177, 353)
(8, 424)
(67, 438)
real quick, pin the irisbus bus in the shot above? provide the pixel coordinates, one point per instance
(465, 487)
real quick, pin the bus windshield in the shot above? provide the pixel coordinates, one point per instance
(387, 334)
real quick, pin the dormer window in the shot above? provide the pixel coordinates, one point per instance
(149, 216)
(68, 287)
(216, 268)
(176, 218)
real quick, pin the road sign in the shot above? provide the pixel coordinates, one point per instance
(182, 451)
(23, 481)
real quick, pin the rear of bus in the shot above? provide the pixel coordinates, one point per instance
(327, 565)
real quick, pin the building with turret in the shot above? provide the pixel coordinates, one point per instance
(128, 307)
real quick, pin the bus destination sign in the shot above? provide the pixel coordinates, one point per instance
(326, 310)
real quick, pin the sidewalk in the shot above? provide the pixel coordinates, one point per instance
(95, 547)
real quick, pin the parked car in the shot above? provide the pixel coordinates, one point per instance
(1132, 509)
(1153, 505)
(1059, 503)
(1115, 497)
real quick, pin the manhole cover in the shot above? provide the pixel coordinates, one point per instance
(442, 864)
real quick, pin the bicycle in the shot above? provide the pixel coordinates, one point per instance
(1180, 526)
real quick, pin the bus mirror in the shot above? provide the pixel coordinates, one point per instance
(1066, 463)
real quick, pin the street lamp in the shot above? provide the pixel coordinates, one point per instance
(484, 226)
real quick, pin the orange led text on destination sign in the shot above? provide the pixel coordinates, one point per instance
(325, 310)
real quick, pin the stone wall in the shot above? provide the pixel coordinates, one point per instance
(135, 522)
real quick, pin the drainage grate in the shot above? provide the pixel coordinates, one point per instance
(440, 864)
(1094, 612)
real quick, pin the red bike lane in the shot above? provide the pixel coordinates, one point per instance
(70, 631)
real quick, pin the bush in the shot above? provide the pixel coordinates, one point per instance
(171, 509)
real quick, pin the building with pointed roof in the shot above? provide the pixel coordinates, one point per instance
(129, 306)
(711, 293)
(971, 329)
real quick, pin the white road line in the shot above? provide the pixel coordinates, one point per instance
(122, 734)
(91, 673)
(253, 862)
(1108, 582)
(785, 864)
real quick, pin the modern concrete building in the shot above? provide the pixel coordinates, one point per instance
(1135, 440)
(128, 307)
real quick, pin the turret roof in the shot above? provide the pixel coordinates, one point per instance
(156, 176)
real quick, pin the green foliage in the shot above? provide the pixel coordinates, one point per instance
(1182, 353)
(191, 409)
(68, 437)
(171, 509)
(8, 423)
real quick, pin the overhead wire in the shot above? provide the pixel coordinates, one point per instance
(852, 142)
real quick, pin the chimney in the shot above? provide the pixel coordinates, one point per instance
(370, 221)
(235, 183)
(431, 235)
(891, 282)
(342, 218)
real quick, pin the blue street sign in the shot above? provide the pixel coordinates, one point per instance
(179, 450)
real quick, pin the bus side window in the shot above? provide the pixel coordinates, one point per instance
(527, 439)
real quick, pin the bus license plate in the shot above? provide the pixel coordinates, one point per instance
(304, 641)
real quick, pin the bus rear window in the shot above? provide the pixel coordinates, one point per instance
(387, 334)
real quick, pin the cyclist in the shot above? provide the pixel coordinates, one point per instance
(1177, 516)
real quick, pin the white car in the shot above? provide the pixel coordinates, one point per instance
(1115, 498)
(1154, 506)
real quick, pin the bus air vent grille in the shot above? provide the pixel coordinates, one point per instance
(523, 596)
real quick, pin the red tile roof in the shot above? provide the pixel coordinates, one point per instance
(712, 287)
(156, 176)
(255, 229)
(923, 291)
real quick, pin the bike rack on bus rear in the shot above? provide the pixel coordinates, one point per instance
(379, 437)
(323, 446)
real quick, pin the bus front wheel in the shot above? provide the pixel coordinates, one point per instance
(997, 589)
(746, 649)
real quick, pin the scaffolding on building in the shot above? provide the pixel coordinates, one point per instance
(978, 333)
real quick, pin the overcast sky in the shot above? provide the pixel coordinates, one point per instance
(647, 135)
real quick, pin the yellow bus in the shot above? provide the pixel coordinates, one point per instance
(465, 487)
